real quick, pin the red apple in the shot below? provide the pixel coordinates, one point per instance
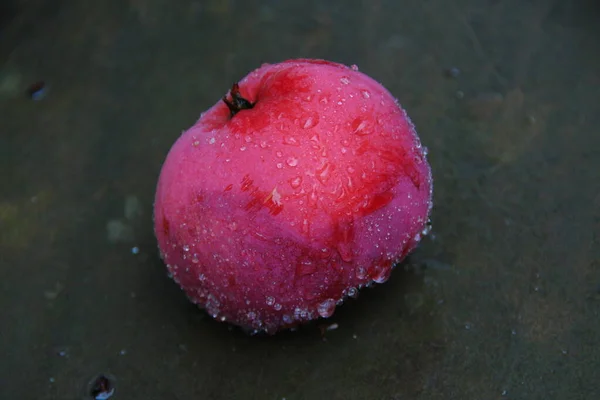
(306, 183)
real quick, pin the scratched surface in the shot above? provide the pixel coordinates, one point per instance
(502, 301)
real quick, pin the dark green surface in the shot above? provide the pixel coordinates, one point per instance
(508, 304)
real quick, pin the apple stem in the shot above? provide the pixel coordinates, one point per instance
(237, 102)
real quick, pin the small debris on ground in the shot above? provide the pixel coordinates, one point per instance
(452, 72)
(37, 91)
(102, 387)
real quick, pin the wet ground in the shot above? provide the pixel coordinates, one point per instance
(502, 301)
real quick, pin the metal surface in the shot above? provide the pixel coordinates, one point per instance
(501, 302)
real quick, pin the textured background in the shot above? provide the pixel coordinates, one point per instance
(502, 301)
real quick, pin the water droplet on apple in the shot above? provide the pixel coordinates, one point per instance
(381, 274)
(296, 182)
(344, 80)
(292, 161)
(263, 144)
(345, 251)
(360, 126)
(354, 67)
(270, 301)
(365, 93)
(326, 308)
(313, 198)
(361, 273)
(310, 122)
(279, 154)
(349, 184)
(353, 292)
(279, 165)
(324, 173)
(292, 141)
(426, 230)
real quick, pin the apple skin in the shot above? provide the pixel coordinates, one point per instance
(271, 217)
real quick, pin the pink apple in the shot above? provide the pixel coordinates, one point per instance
(304, 184)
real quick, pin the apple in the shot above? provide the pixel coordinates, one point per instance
(305, 183)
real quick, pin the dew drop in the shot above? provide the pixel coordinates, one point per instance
(354, 67)
(345, 251)
(263, 144)
(365, 94)
(353, 292)
(279, 165)
(360, 127)
(270, 301)
(296, 182)
(277, 306)
(382, 274)
(426, 230)
(344, 80)
(186, 248)
(310, 122)
(292, 162)
(292, 141)
(279, 154)
(313, 198)
(361, 273)
(326, 308)
(212, 140)
(324, 173)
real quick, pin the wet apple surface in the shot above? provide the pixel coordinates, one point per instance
(307, 182)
